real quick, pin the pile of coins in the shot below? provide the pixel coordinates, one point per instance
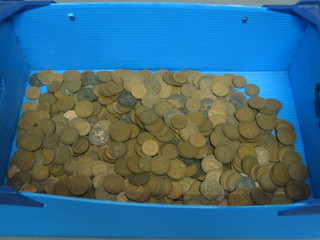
(163, 137)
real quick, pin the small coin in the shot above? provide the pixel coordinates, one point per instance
(98, 136)
(138, 91)
(44, 76)
(257, 102)
(211, 189)
(68, 135)
(297, 171)
(40, 173)
(224, 152)
(252, 90)
(178, 169)
(220, 88)
(150, 147)
(249, 130)
(259, 196)
(31, 142)
(297, 191)
(239, 81)
(139, 179)
(247, 163)
(245, 182)
(160, 165)
(34, 80)
(113, 183)
(197, 140)
(120, 131)
(126, 99)
(245, 114)
(33, 93)
(84, 109)
(240, 197)
(176, 191)
(286, 136)
(78, 185)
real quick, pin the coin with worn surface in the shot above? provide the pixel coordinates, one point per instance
(98, 136)
(78, 185)
(211, 189)
(245, 182)
(224, 152)
(297, 191)
(120, 131)
(286, 136)
(249, 130)
(240, 197)
(31, 142)
(34, 80)
(33, 93)
(178, 169)
(150, 147)
(252, 90)
(197, 140)
(257, 102)
(40, 173)
(258, 196)
(139, 179)
(209, 163)
(113, 183)
(244, 114)
(160, 165)
(68, 135)
(297, 171)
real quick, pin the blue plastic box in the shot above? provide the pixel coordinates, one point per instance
(278, 51)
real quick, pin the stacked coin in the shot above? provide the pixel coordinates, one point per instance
(163, 137)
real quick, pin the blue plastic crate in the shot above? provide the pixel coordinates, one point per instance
(278, 51)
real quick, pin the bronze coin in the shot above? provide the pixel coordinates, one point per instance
(259, 196)
(113, 183)
(31, 142)
(297, 171)
(297, 191)
(224, 152)
(240, 197)
(78, 185)
(139, 179)
(68, 135)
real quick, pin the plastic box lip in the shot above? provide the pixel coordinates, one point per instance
(175, 4)
(152, 205)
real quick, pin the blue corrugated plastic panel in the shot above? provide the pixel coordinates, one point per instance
(305, 74)
(14, 72)
(5, 148)
(157, 35)
(63, 216)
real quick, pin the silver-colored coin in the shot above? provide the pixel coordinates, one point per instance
(98, 136)
(245, 182)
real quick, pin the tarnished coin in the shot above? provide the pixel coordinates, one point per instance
(68, 135)
(286, 136)
(126, 99)
(113, 183)
(150, 147)
(258, 196)
(224, 152)
(120, 131)
(84, 109)
(197, 140)
(211, 189)
(209, 163)
(33, 93)
(34, 80)
(31, 142)
(40, 173)
(98, 136)
(78, 185)
(297, 191)
(178, 169)
(245, 182)
(252, 90)
(139, 179)
(160, 165)
(240, 197)
(297, 171)
(239, 81)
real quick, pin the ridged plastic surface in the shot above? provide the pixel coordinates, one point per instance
(176, 37)
(155, 36)
(14, 72)
(305, 74)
